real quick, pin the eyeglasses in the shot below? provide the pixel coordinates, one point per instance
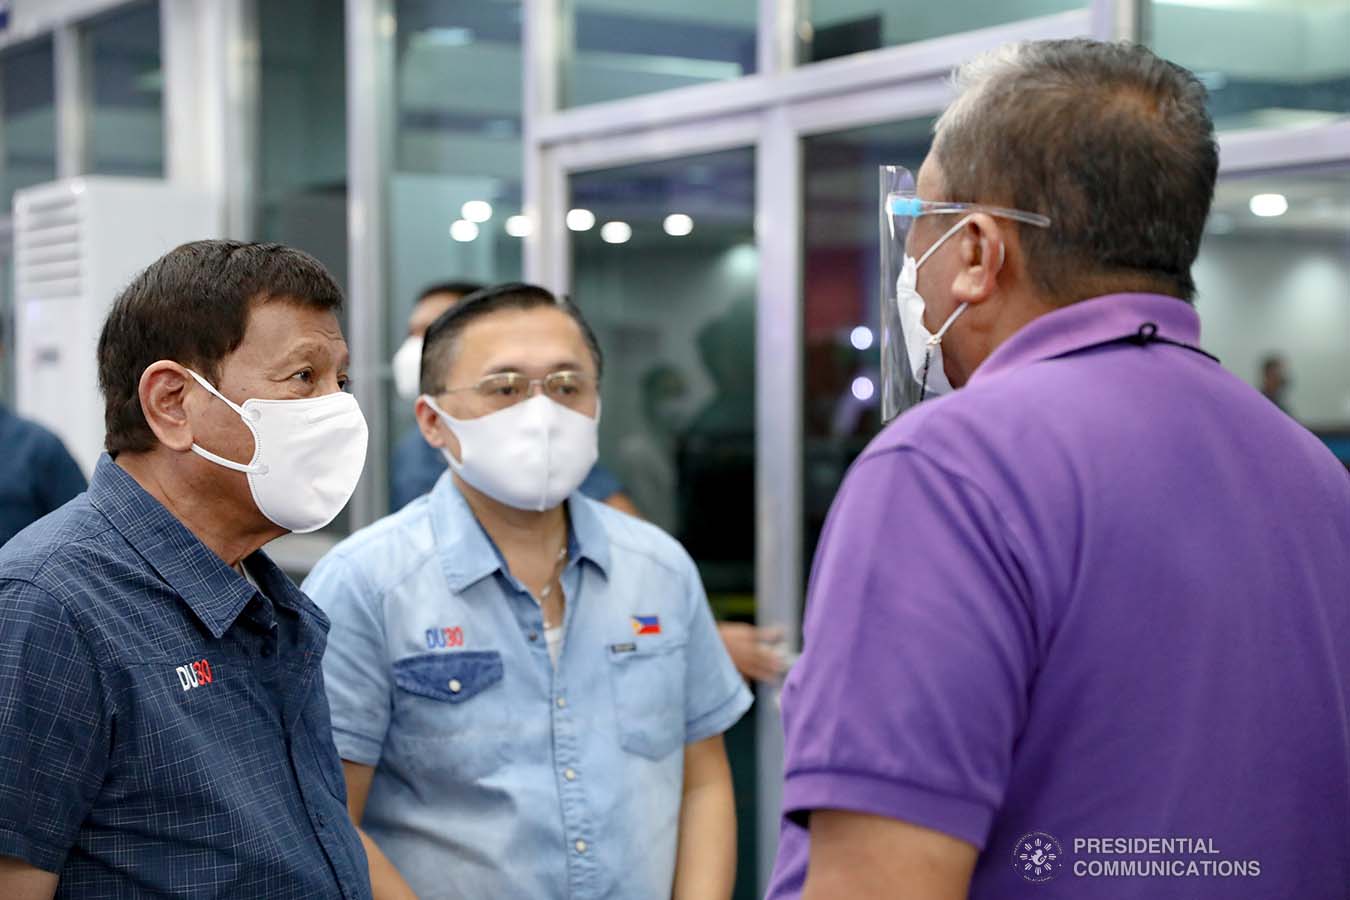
(575, 390)
(908, 206)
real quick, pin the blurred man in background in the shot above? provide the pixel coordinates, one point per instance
(415, 465)
(37, 472)
(1275, 381)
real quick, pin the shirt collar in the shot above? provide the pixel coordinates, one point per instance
(215, 593)
(1088, 323)
(467, 553)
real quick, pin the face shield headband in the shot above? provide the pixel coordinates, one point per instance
(908, 351)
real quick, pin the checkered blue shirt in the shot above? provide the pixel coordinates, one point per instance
(163, 725)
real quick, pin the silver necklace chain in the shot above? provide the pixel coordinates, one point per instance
(557, 571)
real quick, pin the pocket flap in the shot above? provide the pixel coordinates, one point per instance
(452, 677)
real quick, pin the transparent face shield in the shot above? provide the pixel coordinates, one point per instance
(905, 356)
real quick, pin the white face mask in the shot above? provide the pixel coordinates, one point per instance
(529, 456)
(407, 366)
(924, 347)
(307, 456)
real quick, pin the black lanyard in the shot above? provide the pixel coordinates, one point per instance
(1147, 334)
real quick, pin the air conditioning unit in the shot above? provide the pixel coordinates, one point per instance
(77, 243)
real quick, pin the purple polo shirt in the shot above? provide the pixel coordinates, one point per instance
(1090, 614)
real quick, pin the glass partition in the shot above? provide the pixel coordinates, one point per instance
(1267, 63)
(125, 81)
(621, 48)
(827, 29)
(28, 132)
(302, 151)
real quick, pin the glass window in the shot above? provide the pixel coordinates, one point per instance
(665, 270)
(832, 28)
(28, 95)
(455, 189)
(620, 48)
(1273, 283)
(126, 86)
(841, 362)
(1267, 63)
(302, 150)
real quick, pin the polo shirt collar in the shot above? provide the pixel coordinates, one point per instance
(468, 555)
(215, 593)
(1089, 323)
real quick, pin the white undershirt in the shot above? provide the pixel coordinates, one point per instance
(554, 638)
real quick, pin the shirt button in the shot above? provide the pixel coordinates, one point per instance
(570, 775)
(581, 846)
(534, 636)
(562, 703)
(455, 686)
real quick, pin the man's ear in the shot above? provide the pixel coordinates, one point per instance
(433, 429)
(163, 391)
(983, 251)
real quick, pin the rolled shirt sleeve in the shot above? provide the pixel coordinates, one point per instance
(918, 652)
(54, 727)
(715, 694)
(355, 664)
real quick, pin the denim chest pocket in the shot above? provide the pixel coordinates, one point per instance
(648, 680)
(450, 715)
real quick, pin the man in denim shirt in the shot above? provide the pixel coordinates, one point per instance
(163, 727)
(528, 688)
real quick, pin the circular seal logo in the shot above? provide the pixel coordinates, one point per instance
(1036, 857)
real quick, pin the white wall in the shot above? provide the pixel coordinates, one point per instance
(1258, 296)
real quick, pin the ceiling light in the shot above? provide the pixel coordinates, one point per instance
(678, 224)
(615, 232)
(476, 210)
(463, 230)
(1268, 205)
(518, 226)
(580, 219)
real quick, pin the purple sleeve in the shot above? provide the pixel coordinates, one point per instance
(918, 652)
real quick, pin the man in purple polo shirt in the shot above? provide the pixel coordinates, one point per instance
(1081, 628)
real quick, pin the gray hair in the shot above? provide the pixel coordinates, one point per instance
(1110, 141)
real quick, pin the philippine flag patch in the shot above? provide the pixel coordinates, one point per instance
(646, 624)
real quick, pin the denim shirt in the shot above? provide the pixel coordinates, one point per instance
(497, 775)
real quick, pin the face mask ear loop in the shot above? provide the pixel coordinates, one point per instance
(245, 415)
(210, 388)
(939, 242)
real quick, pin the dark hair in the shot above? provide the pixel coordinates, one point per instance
(1270, 361)
(460, 289)
(438, 345)
(192, 306)
(1110, 141)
